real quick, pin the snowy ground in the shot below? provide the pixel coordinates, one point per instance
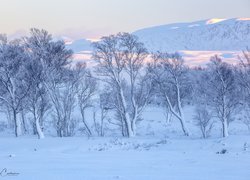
(160, 152)
(112, 158)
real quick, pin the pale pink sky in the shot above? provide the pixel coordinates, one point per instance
(94, 18)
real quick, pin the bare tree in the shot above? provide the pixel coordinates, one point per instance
(204, 121)
(203, 114)
(37, 100)
(245, 118)
(120, 58)
(171, 82)
(222, 91)
(105, 107)
(48, 61)
(86, 91)
(57, 79)
(13, 88)
(63, 97)
(8, 113)
(244, 71)
(243, 80)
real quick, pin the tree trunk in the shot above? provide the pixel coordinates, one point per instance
(11, 124)
(224, 119)
(182, 119)
(17, 123)
(134, 126)
(85, 123)
(38, 128)
(203, 130)
(102, 122)
(126, 116)
(168, 116)
(129, 126)
(224, 128)
(183, 126)
(23, 122)
(179, 115)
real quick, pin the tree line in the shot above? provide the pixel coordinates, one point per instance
(38, 80)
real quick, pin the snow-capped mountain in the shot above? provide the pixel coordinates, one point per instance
(207, 35)
(79, 45)
(196, 41)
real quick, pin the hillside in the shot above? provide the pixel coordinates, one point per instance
(207, 35)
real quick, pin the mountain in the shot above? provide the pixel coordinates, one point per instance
(196, 41)
(79, 45)
(207, 35)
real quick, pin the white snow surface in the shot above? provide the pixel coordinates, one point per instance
(158, 152)
(130, 159)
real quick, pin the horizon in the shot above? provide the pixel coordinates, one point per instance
(91, 19)
(69, 37)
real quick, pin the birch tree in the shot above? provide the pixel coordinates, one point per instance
(222, 91)
(243, 80)
(120, 58)
(203, 111)
(86, 91)
(171, 81)
(38, 101)
(63, 97)
(244, 72)
(13, 88)
(53, 58)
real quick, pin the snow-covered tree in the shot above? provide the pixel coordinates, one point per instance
(120, 58)
(63, 97)
(13, 87)
(203, 112)
(86, 90)
(52, 58)
(37, 100)
(203, 119)
(244, 72)
(222, 92)
(105, 107)
(171, 82)
(243, 80)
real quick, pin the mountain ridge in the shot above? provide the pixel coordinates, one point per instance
(212, 34)
(204, 35)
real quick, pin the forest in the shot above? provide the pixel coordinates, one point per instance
(43, 91)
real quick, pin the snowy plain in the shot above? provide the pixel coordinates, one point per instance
(158, 152)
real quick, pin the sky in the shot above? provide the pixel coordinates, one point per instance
(95, 18)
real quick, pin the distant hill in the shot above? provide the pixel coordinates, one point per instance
(207, 35)
(196, 41)
(79, 45)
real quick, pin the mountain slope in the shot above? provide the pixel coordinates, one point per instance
(209, 35)
(80, 45)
